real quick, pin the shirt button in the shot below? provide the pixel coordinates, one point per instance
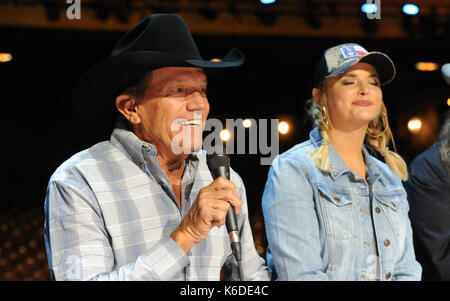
(387, 242)
(388, 275)
(142, 166)
(378, 210)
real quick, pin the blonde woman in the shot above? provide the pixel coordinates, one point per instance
(332, 210)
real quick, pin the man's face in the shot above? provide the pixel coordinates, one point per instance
(174, 106)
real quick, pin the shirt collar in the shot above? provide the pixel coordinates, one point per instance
(338, 166)
(130, 145)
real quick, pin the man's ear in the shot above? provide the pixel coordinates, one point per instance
(316, 95)
(126, 105)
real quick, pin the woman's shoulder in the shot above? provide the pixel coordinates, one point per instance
(297, 156)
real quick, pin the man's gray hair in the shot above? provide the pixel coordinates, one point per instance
(136, 89)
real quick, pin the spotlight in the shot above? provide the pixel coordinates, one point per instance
(225, 135)
(5, 57)
(427, 66)
(247, 123)
(267, 1)
(369, 8)
(283, 127)
(414, 125)
(410, 9)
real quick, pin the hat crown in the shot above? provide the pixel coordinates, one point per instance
(165, 33)
(338, 55)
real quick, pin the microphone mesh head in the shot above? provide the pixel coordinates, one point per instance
(215, 161)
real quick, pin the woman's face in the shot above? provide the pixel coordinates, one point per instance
(353, 98)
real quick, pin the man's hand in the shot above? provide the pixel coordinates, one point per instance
(209, 210)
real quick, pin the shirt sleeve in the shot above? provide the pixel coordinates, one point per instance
(253, 266)
(78, 246)
(292, 227)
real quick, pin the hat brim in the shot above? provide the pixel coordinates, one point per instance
(380, 61)
(94, 93)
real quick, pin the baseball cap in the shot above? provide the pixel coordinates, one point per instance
(338, 59)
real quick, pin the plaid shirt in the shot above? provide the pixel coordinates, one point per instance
(110, 209)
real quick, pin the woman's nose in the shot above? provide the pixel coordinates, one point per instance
(363, 89)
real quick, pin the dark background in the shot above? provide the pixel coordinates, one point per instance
(40, 130)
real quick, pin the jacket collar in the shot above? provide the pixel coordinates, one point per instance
(338, 166)
(137, 150)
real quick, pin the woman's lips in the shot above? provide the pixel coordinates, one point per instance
(364, 103)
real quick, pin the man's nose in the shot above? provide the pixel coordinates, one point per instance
(197, 102)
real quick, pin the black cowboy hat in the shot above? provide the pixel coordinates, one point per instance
(159, 40)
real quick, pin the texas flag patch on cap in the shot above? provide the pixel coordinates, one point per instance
(352, 51)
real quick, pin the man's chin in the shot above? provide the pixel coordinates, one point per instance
(184, 149)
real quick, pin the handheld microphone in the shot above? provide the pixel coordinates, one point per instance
(219, 166)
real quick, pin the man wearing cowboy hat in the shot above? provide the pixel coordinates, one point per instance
(131, 208)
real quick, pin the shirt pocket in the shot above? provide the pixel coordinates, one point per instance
(337, 211)
(395, 209)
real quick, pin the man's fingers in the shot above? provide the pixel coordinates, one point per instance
(222, 184)
(221, 199)
(218, 217)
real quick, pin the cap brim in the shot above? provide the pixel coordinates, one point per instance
(380, 61)
(383, 64)
(93, 94)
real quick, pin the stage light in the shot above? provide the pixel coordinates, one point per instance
(369, 8)
(5, 57)
(448, 101)
(283, 127)
(410, 9)
(414, 125)
(225, 135)
(427, 66)
(247, 123)
(267, 1)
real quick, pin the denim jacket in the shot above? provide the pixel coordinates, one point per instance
(319, 224)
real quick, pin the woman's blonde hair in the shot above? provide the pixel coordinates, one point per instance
(378, 136)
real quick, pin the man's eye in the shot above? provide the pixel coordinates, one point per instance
(179, 90)
(348, 82)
